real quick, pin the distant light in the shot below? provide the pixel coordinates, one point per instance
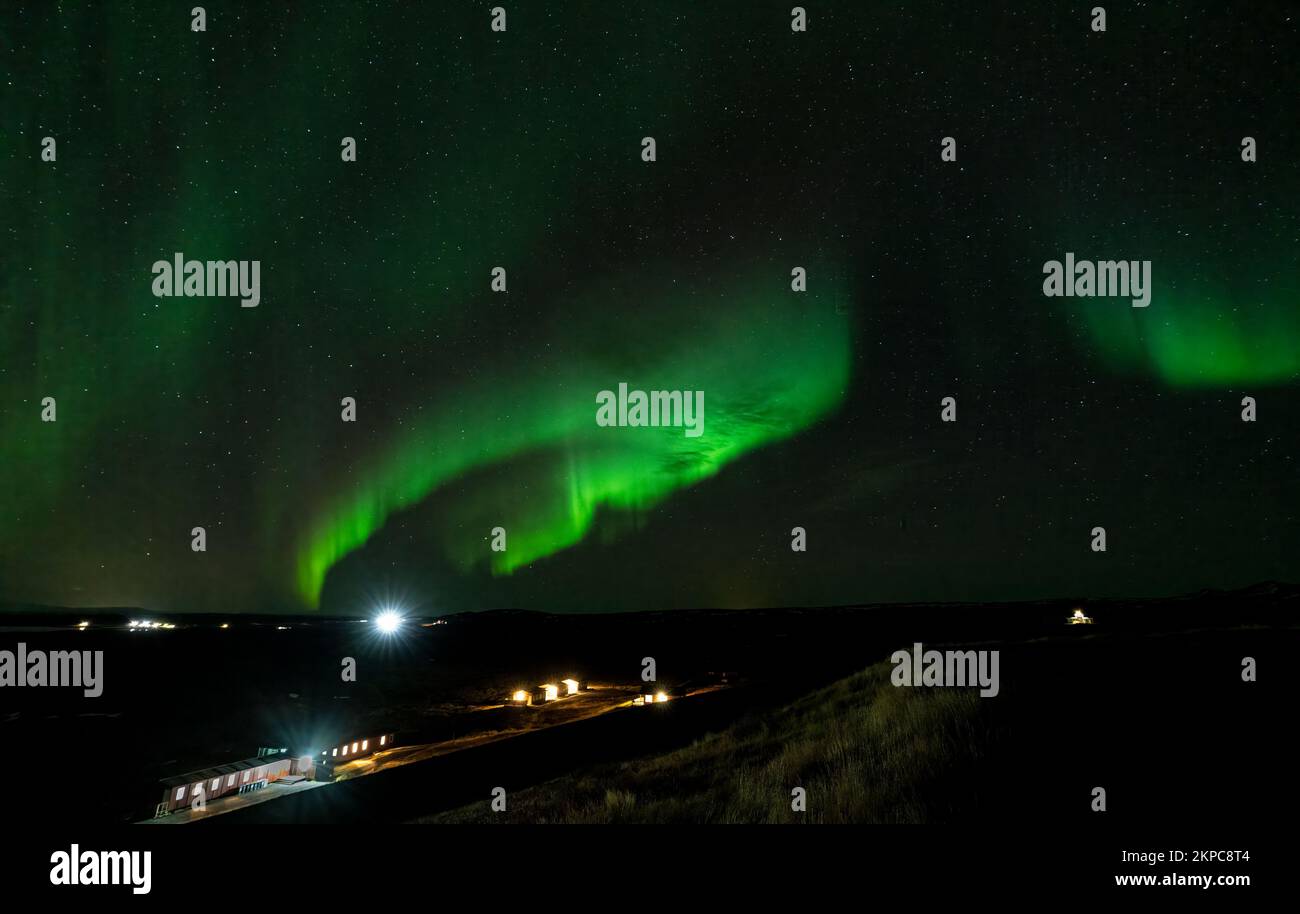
(83, 625)
(389, 621)
(571, 685)
(552, 692)
(660, 696)
(520, 695)
(225, 625)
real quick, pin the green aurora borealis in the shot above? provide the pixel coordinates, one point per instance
(768, 372)
(522, 150)
(1211, 338)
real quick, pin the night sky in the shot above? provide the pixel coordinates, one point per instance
(522, 149)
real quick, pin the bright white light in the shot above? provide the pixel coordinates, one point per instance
(389, 621)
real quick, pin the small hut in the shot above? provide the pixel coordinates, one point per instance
(652, 693)
(540, 695)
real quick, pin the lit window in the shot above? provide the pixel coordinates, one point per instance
(180, 793)
(354, 747)
(365, 744)
(216, 783)
(383, 740)
(334, 754)
(245, 777)
(197, 788)
(345, 750)
(230, 781)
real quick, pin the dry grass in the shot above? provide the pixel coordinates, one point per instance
(864, 751)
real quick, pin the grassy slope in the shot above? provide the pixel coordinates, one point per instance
(864, 751)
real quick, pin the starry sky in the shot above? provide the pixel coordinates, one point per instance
(522, 149)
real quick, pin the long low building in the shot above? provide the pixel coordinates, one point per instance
(237, 777)
(349, 750)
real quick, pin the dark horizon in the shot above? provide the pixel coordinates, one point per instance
(414, 613)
